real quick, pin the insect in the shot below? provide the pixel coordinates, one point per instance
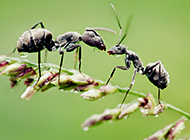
(155, 72)
(70, 41)
(35, 40)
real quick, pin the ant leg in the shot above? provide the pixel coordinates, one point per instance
(120, 67)
(79, 58)
(37, 25)
(159, 97)
(75, 56)
(91, 29)
(46, 46)
(159, 83)
(45, 56)
(132, 83)
(39, 57)
(39, 61)
(61, 62)
(72, 47)
(61, 52)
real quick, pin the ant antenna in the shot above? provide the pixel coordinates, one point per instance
(119, 42)
(119, 24)
(126, 30)
(100, 28)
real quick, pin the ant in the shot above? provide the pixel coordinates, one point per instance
(155, 72)
(35, 40)
(70, 41)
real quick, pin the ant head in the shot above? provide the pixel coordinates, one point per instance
(92, 38)
(117, 49)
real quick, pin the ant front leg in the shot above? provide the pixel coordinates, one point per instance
(72, 47)
(120, 67)
(128, 65)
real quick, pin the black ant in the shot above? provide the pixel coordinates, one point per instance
(35, 40)
(70, 41)
(155, 72)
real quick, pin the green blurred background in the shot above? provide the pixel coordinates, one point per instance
(160, 30)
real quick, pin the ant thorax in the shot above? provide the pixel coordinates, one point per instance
(132, 56)
(69, 37)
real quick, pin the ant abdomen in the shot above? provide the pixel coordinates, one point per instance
(157, 74)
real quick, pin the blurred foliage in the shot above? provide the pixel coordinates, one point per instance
(159, 31)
